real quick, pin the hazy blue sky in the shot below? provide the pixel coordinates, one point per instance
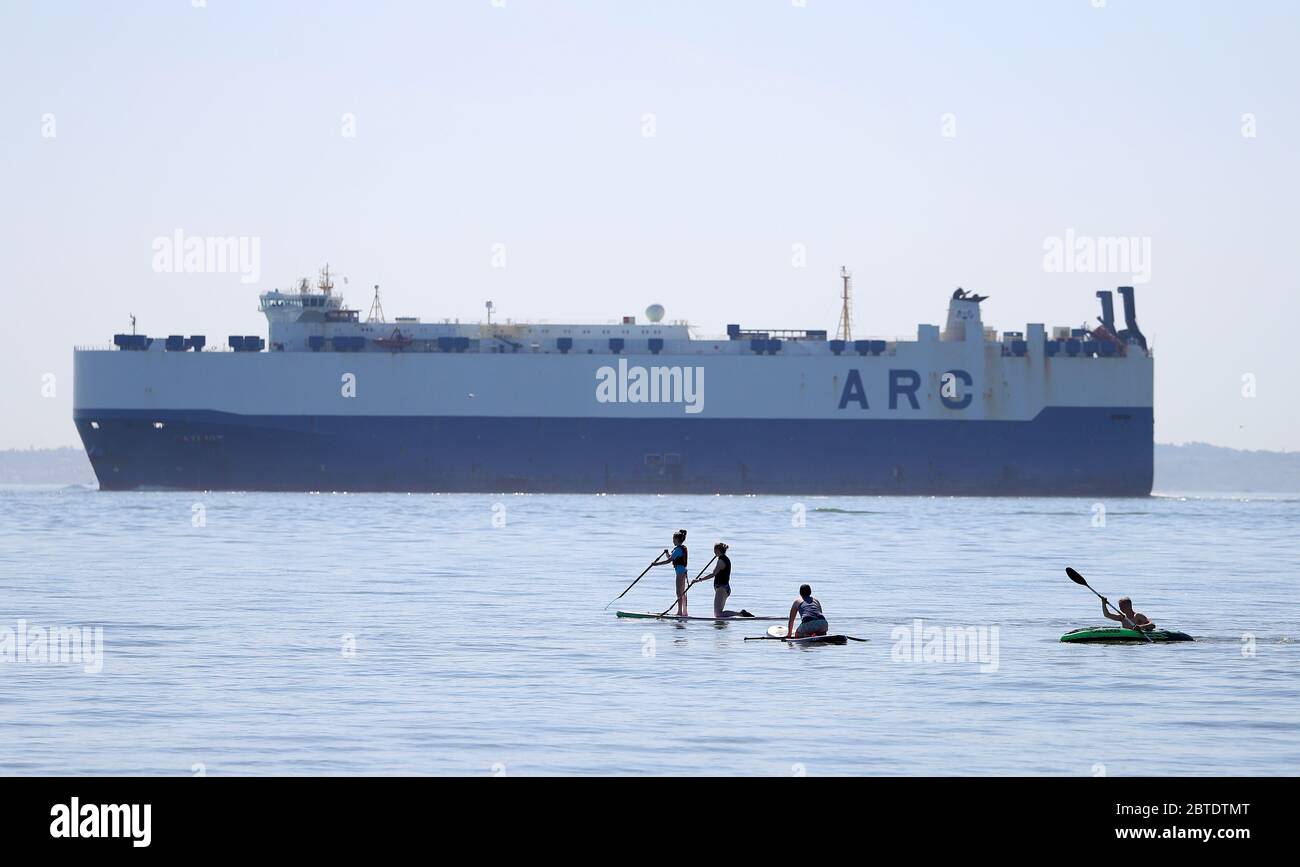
(523, 123)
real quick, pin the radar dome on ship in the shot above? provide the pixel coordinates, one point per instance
(655, 312)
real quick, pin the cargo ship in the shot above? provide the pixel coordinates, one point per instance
(329, 401)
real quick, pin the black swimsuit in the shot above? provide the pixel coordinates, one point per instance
(722, 577)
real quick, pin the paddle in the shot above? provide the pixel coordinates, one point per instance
(653, 564)
(698, 579)
(1078, 579)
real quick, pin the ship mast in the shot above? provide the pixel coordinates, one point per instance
(325, 284)
(376, 309)
(845, 330)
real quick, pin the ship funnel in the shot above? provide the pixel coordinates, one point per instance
(1107, 317)
(963, 314)
(1131, 331)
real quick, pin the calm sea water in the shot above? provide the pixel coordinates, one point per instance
(348, 634)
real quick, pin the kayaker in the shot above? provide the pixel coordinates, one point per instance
(809, 611)
(678, 557)
(1127, 616)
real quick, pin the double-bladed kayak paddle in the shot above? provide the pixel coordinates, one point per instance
(1078, 579)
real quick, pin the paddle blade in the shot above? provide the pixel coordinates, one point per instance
(1075, 576)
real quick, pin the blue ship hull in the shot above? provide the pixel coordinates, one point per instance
(1092, 451)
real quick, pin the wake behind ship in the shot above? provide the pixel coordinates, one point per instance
(329, 402)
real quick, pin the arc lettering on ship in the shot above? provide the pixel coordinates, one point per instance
(954, 389)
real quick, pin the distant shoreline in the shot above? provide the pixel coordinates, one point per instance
(1181, 470)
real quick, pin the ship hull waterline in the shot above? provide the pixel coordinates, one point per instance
(1062, 451)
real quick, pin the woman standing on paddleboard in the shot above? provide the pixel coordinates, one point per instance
(678, 558)
(809, 611)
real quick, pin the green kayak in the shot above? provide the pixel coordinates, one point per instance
(1118, 635)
